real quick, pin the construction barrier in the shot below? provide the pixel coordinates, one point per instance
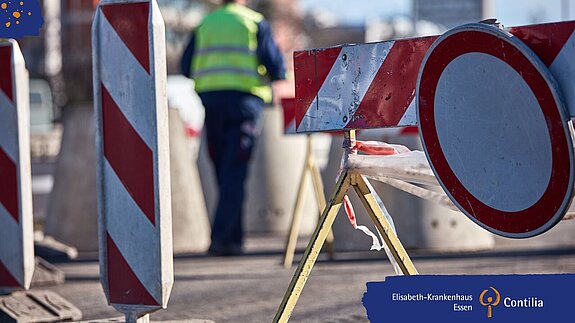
(16, 218)
(74, 221)
(488, 104)
(191, 227)
(134, 206)
(190, 222)
(381, 91)
(383, 94)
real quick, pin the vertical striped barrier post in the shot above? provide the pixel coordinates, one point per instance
(129, 60)
(16, 222)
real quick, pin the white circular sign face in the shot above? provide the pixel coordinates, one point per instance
(495, 132)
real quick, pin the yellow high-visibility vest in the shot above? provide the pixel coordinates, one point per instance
(225, 53)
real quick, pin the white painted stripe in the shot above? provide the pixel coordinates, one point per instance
(136, 238)
(8, 127)
(128, 82)
(11, 254)
(563, 70)
(410, 116)
(345, 86)
(290, 129)
(42, 184)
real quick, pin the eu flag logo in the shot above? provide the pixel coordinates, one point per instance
(20, 18)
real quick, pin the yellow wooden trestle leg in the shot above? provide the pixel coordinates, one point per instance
(323, 229)
(384, 227)
(310, 168)
(312, 251)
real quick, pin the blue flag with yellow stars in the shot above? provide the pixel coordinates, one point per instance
(20, 18)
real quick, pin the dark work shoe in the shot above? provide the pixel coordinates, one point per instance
(225, 249)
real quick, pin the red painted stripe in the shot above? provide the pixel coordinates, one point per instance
(543, 211)
(393, 87)
(288, 105)
(9, 185)
(129, 156)
(130, 21)
(6, 71)
(311, 68)
(123, 284)
(6, 278)
(546, 40)
(192, 132)
(405, 131)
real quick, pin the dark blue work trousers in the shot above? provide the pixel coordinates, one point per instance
(232, 126)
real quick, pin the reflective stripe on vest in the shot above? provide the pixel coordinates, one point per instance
(225, 49)
(225, 57)
(226, 70)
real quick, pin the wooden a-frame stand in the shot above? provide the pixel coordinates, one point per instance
(310, 168)
(346, 180)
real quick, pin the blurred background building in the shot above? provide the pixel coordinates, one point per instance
(450, 13)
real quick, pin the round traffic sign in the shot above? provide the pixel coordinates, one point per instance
(495, 130)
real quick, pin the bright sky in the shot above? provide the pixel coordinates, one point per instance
(509, 12)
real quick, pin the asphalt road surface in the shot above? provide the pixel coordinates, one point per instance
(249, 288)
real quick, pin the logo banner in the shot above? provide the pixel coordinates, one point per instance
(490, 298)
(19, 18)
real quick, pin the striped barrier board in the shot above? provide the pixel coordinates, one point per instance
(16, 222)
(358, 86)
(129, 65)
(373, 85)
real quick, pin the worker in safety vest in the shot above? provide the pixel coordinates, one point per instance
(232, 58)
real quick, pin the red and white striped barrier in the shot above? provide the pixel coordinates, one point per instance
(358, 86)
(16, 222)
(129, 57)
(373, 85)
